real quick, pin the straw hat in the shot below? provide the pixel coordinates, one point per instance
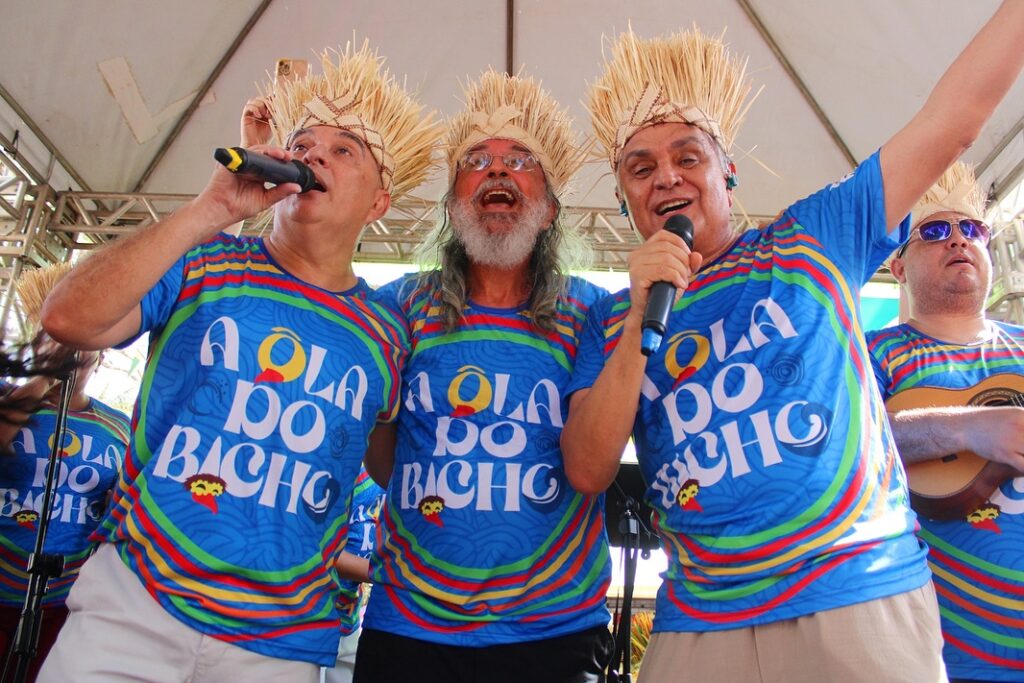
(516, 108)
(357, 94)
(689, 77)
(34, 286)
(957, 190)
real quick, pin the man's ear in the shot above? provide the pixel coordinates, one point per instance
(381, 204)
(623, 208)
(731, 180)
(898, 270)
(550, 218)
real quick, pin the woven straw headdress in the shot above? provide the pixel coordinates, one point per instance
(357, 94)
(688, 77)
(34, 286)
(516, 108)
(957, 190)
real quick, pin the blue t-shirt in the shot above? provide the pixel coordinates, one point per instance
(92, 453)
(251, 423)
(484, 541)
(367, 499)
(769, 462)
(977, 562)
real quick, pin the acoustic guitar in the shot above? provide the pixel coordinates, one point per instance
(955, 485)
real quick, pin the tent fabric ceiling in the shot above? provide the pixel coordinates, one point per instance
(107, 81)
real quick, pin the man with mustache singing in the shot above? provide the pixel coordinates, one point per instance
(766, 451)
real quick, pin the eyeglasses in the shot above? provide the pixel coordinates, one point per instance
(937, 231)
(514, 161)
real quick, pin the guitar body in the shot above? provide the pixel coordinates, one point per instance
(955, 485)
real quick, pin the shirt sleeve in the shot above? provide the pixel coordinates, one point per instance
(159, 301)
(881, 376)
(596, 344)
(848, 217)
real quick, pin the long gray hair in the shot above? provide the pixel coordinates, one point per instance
(558, 251)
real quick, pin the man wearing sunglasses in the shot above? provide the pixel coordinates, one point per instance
(940, 230)
(952, 380)
(490, 566)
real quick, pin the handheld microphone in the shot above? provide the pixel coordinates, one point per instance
(239, 160)
(663, 294)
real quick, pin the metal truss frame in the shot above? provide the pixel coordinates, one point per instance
(27, 206)
(39, 226)
(84, 220)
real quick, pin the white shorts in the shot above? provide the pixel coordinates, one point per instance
(116, 631)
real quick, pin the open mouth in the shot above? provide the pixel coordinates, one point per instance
(674, 205)
(497, 197)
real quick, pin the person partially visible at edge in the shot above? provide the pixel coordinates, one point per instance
(269, 364)
(944, 364)
(41, 361)
(353, 567)
(490, 567)
(779, 497)
(89, 458)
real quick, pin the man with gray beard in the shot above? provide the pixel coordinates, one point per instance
(494, 237)
(489, 565)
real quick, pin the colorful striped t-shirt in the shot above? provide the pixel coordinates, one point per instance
(367, 498)
(89, 460)
(252, 420)
(977, 561)
(766, 450)
(484, 542)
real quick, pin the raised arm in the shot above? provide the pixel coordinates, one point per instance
(601, 417)
(97, 305)
(955, 112)
(254, 128)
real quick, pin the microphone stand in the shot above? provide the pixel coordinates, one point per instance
(629, 526)
(41, 566)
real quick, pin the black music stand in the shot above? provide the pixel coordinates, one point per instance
(628, 522)
(628, 485)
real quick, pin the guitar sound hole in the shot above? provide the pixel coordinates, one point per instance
(949, 458)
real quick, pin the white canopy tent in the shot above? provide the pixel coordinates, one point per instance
(115, 106)
(110, 109)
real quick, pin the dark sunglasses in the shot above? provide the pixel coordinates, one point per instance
(937, 231)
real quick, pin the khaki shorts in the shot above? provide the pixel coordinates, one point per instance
(890, 640)
(116, 631)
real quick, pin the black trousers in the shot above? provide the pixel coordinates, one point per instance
(575, 658)
(51, 620)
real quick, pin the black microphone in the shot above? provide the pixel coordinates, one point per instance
(663, 294)
(271, 170)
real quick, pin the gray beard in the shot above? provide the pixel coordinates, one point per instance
(510, 245)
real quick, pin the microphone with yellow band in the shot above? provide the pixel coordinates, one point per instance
(269, 169)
